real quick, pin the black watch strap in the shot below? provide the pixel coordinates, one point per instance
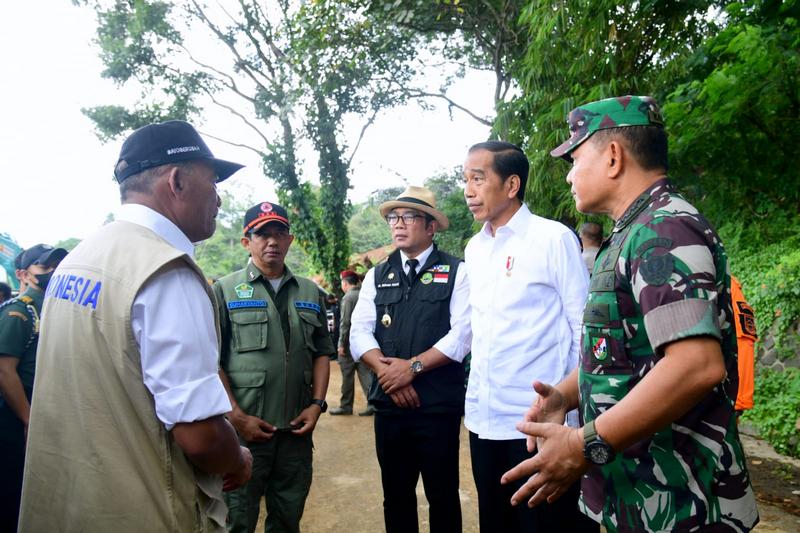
(323, 405)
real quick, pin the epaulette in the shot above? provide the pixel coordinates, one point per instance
(27, 301)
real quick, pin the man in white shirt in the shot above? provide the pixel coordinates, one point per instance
(127, 426)
(411, 326)
(528, 286)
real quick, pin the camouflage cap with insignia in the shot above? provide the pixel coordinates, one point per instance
(617, 112)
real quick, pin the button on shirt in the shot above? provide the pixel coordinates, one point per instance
(528, 286)
(173, 324)
(455, 345)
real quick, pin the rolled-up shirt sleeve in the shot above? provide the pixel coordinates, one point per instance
(362, 321)
(457, 342)
(173, 323)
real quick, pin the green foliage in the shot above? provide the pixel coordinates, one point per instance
(579, 51)
(223, 252)
(368, 230)
(482, 34)
(735, 125)
(290, 71)
(450, 200)
(776, 409)
(769, 279)
(67, 244)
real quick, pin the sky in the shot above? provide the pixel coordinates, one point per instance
(56, 180)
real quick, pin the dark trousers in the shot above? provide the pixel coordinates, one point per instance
(12, 462)
(414, 444)
(282, 471)
(493, 458)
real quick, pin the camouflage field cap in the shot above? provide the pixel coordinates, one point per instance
(616, 112)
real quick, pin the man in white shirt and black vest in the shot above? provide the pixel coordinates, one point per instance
(411, 326)
(528, 285)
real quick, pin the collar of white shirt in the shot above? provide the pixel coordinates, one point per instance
(422, 258)
(157, 223)
(517, 224)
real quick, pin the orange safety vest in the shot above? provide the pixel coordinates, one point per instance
(746, 337)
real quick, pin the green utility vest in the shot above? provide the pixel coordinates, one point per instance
(269, 377)
(603, 348)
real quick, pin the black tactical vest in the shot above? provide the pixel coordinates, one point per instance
(411, 318)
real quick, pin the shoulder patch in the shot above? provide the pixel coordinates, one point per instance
(656, 270)
(18, 315)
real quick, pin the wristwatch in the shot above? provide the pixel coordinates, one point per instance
(323, 405)
(595, 449)
(416, 366)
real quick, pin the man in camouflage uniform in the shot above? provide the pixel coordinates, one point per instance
(659, 449)
(19, 337)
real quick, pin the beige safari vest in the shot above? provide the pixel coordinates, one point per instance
(98, 458)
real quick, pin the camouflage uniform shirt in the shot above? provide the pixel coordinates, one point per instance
(662, 276)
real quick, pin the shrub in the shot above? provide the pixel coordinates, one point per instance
(776, 411)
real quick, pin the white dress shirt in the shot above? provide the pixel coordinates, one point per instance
(455, 344)
(173, 323)
(528, 287)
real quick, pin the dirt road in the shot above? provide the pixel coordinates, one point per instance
(346, 495)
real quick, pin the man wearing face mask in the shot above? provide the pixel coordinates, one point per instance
(19, 337)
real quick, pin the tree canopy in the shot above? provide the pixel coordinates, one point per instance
(291, 73)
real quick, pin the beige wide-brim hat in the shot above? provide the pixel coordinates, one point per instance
(418, 198)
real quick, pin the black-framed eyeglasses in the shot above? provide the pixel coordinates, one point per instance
(408, 218)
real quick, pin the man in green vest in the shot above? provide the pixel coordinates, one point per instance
(19, 336)
(275, 366)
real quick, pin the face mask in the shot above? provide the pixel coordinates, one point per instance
(43, 279)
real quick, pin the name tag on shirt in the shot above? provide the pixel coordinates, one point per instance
(239, 304)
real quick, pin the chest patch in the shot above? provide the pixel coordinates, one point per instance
(600, 349)
(244, 290)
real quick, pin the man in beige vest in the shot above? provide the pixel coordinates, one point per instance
(127, 432)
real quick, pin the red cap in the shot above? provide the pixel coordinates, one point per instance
(348, 274)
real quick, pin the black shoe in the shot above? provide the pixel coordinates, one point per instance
(339, 411)
(369, 412)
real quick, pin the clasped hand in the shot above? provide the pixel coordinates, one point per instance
(395, 377)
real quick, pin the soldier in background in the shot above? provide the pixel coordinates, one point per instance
(591, 235)
(351, 286)
(19, 337)
(659, 449)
